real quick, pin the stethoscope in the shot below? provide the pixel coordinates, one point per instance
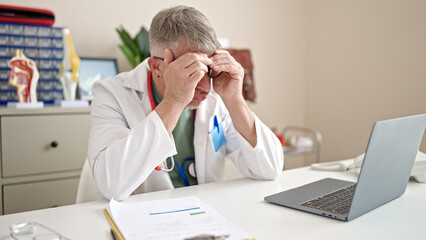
(164, 166)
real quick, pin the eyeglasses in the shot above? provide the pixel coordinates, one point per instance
(209, 69)
(33, 230)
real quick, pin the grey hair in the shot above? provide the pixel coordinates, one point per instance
(181, 26)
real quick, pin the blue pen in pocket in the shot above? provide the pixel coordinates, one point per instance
(217, 134)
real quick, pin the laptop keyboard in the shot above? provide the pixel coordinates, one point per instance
(336, 202)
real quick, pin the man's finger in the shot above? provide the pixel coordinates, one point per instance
(197, 76)
(188, 59)
(196, 66)
(168, 56)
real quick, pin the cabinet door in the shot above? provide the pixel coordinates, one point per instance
(43, 144)
(38, 195)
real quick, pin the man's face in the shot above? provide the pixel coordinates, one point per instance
(203, 87)
(201, 91)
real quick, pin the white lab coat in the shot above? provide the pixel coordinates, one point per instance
(128, 140)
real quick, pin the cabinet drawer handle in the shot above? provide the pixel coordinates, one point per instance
(54, 144)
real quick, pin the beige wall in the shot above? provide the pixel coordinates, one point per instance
(366, 61)
(335, 65)
(273, 30)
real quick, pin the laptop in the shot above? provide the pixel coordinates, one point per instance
(384, 175)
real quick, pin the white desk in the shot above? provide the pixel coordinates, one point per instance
(241, 202)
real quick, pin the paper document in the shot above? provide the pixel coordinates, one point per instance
(177, 218)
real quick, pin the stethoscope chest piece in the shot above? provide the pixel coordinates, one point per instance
(191, 170)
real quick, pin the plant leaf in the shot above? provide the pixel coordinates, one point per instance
(142, 39)
(128, 41)
(129, 55)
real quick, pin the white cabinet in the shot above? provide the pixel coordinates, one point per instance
(37, 195)
(42, 153)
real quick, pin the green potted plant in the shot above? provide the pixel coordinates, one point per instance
(135, 49)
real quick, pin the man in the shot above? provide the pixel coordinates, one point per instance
(162, 125)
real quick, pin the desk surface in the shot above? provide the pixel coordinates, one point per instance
(241, 202)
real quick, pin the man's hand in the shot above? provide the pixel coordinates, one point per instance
(179, 78)
(182, 75)
(229, 84)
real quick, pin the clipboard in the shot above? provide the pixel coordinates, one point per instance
(196, 220)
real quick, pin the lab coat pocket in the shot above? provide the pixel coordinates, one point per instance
(217, 135)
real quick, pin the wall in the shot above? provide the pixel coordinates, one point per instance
(273, 30)
(365, 62)
(335, 65)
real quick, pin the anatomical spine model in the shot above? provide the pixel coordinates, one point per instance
(24, 76)
(70, 67)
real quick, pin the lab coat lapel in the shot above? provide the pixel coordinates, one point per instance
(204, 112)
(136, 80)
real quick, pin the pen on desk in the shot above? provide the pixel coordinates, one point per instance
(113, 235)
(208, 237)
